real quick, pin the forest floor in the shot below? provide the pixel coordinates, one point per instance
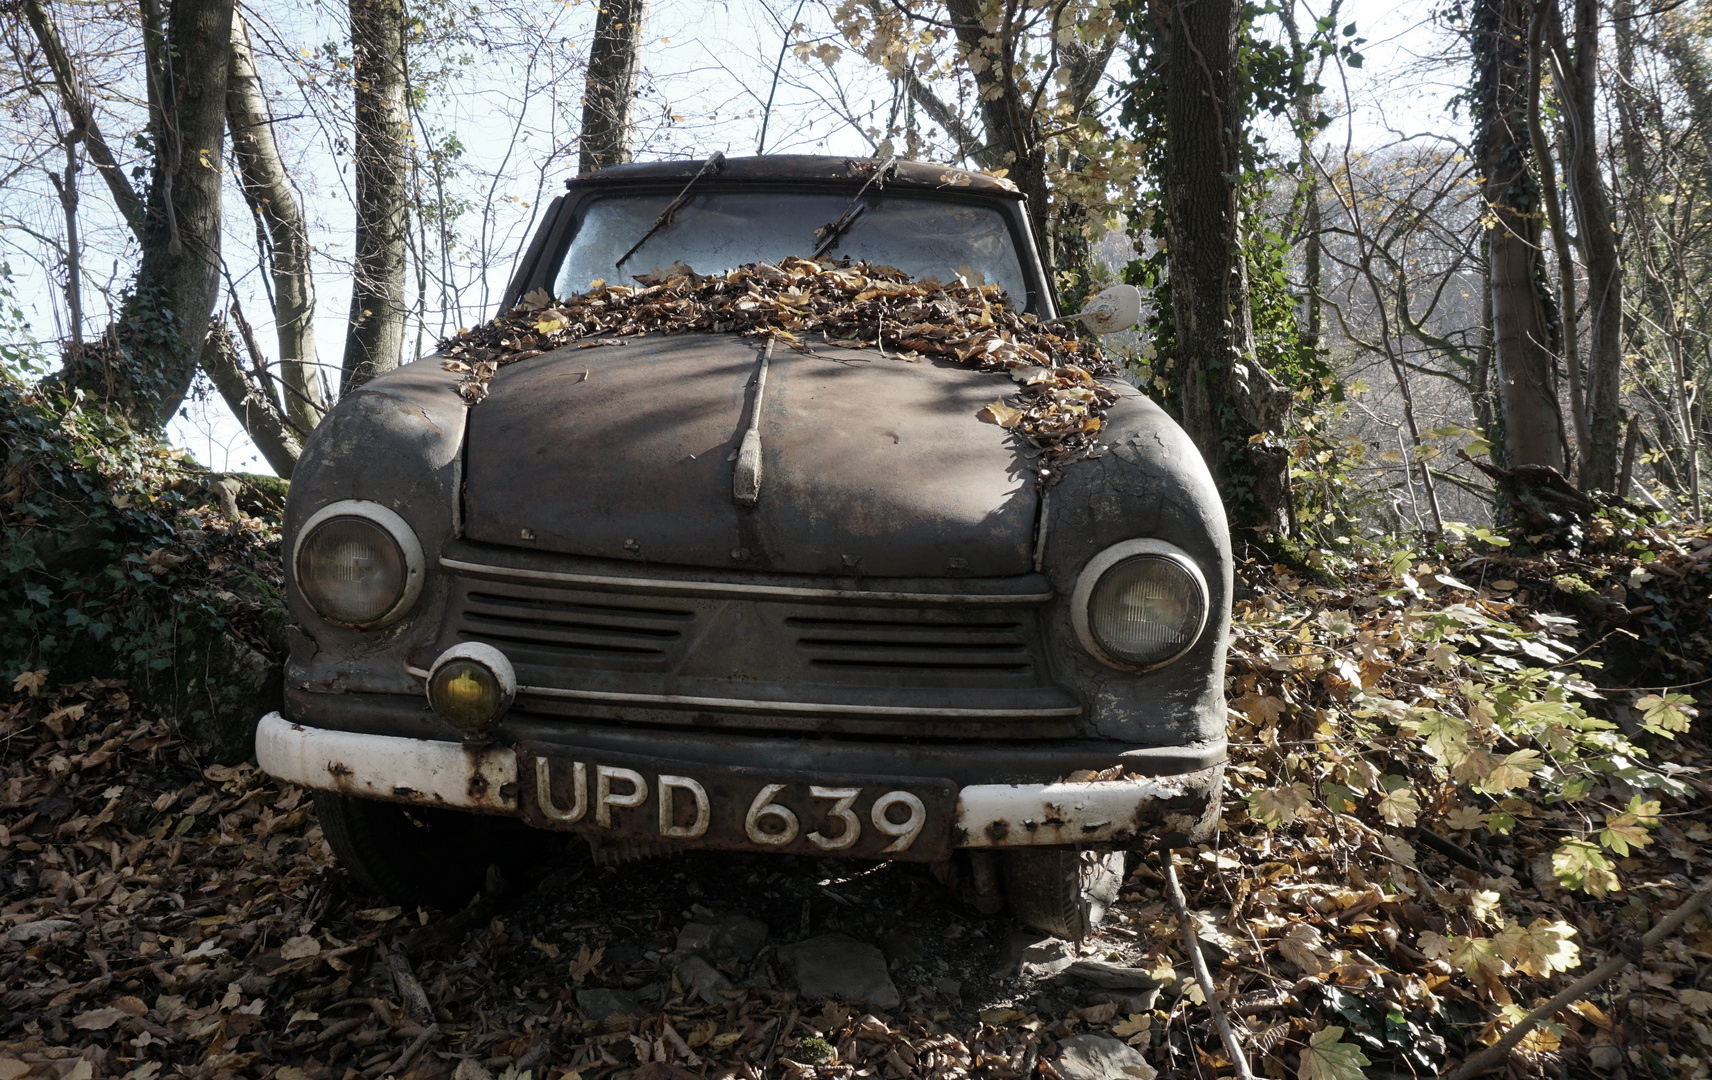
(1436, 815)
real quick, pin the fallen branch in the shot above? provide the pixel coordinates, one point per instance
(432, 1032)
(1192, 946)
(1495, 1054)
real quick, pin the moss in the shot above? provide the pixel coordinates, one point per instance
(1571, 584)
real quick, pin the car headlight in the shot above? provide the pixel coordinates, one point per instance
(358, 563)
(1140, 604)
(471, 685)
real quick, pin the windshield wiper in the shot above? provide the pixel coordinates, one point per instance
(828, 235)
(708, 168)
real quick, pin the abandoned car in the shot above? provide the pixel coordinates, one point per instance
(690, 593)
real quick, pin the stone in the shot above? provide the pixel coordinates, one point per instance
(730, 936)
(1111, 976)
(836, 966)
(705, 979)
(600, 1003)
(1100, 1057)
(1031, 954)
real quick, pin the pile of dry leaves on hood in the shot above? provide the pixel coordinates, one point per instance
(806, 303)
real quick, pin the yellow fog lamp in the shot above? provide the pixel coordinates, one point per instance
(470, 686)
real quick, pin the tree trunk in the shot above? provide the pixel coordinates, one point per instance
(614, 62)
(249, 401)
(267, 190)
(1226, 396)
(1579, 75)
(374, 339)
(165, 319)
(1523, 315)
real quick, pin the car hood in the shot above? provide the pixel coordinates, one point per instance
(871, 465)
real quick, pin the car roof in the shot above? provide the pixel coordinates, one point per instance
(804, 168)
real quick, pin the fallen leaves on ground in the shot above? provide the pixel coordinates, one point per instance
(1059, 404)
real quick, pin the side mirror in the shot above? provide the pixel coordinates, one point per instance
(1114, 309)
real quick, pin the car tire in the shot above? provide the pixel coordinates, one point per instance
(1063, 891)
(419, 856)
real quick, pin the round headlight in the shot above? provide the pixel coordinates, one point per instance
(1140, 604)
(359, 564)
(471, 685)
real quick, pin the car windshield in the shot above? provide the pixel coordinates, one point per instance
(716, 231)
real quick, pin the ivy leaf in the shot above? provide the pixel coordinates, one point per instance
(1328, 1057)
(1629, 829)
(1274, 807)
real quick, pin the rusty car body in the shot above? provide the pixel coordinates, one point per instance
(886, 654)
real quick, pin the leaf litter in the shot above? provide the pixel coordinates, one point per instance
(1059, 403)
(1395, 882)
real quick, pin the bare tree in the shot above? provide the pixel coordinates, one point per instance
(1524, 320)
(283, 236)
(613, 64)
(374, 338)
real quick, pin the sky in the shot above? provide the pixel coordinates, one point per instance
(709, 69)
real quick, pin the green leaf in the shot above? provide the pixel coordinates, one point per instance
(1580, 864)
(1328, 1057)
(1666, 714)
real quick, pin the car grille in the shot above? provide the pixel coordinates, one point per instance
(548, 630)
(595, 652)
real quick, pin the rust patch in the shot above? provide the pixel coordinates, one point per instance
(403, 792)
(998, 830)
(340, 770)
(478, 785)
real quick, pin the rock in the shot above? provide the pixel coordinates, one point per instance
(1035, 955)
(836, 966)
(705, 979)
(471, 1069)
(1111, 976)
(949, 987)
(730, 936)
(27, 933)
(224, 687)
(1100, 1057)
(600, 1004)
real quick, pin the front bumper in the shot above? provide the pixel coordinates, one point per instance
(1179, 808)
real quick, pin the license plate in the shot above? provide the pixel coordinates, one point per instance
(737, 808)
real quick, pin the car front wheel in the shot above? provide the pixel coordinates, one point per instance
(419, 856)
(1063, 891)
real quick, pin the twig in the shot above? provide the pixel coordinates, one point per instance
(432, 1032)
(415, 998)
(1452, 850)
(1495, 1054)
(1192, 946)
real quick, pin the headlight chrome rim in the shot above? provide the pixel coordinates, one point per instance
(395, 527)
(484, 655)
(1096, 569)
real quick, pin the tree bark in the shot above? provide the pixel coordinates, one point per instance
(1523, 322)
(610, 92)
(374, 338)
(165, 320)
(267, 190)
(1578, 73)
(249, 401)
(1227, 398)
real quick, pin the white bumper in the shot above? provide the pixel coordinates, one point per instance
(430, 772)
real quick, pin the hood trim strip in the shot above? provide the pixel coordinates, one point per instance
(686, 701)
(668, 587)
